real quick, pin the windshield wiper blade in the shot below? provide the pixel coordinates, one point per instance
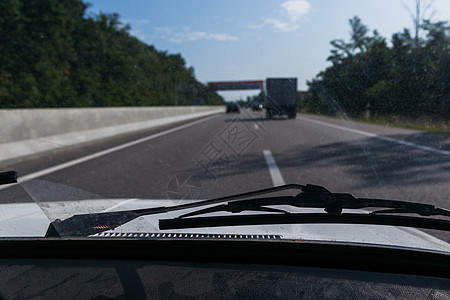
(315, 197)
(304, 218)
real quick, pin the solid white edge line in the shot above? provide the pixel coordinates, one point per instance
(33, 146)
(381, 137)
(275, 173)
(103, 152)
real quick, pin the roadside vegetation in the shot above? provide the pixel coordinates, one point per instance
(405, 82)
(53, 55)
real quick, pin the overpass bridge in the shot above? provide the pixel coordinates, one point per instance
(236, 85)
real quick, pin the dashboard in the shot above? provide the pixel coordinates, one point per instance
(125, 279)
(186, 269)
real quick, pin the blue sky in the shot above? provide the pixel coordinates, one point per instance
(244, 40)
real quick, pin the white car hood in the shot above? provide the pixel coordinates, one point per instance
(29, 220)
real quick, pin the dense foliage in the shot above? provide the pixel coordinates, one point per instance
(53, 55)
(410, 77)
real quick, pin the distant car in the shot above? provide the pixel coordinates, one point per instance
(232, 107)
(256, 106)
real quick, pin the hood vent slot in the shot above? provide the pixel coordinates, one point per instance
(139, 235)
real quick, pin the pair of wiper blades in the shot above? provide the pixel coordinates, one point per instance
(312, 196)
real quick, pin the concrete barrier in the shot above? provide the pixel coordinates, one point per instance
(26, 132)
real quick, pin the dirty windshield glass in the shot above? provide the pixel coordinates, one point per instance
(116, 105)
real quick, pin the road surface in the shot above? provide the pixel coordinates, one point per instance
(232, 153)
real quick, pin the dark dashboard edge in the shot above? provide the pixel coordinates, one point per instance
(346, 256)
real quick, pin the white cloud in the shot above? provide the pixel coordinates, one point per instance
(281, 25)
(296, 9)
(185, 34)
(137, 28)
(289, 17)
(138, 34)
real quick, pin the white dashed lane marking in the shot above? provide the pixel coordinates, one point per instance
(275, 173)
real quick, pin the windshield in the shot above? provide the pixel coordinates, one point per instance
(113, 105)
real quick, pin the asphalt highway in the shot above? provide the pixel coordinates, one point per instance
(232, 153)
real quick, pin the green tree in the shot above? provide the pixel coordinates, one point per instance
(411, 78)
(53, 55)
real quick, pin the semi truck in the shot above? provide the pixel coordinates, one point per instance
(281, 97)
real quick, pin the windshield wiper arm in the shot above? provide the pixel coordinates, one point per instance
(311, 196)
(8, 177)
(88, 224)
